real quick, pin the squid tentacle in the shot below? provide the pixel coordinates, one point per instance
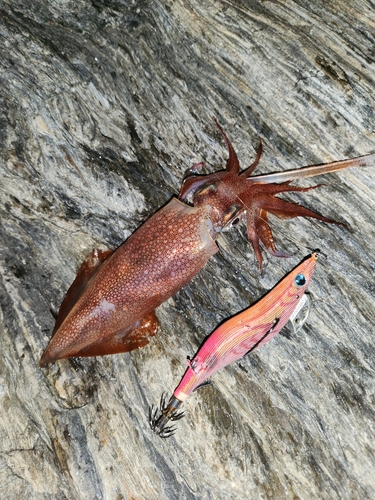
(285, 209)
(258, 230)
(266, 236)
(284, 187)
(249, 170)
(253, 235)
(233, 165)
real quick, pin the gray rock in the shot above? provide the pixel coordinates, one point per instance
(103, 107)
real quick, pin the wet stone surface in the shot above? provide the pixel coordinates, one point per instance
(103, 106)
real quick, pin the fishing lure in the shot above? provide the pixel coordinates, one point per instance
(234, 339)
(110, 306)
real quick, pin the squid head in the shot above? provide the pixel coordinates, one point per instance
(232, 196)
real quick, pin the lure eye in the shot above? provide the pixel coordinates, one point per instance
(300, 280)
(209, 188)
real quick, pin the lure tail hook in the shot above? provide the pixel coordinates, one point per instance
(160, 417)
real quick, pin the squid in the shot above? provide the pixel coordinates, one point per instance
(235, 338)
(110, 307)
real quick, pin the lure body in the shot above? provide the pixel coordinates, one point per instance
(248, 330)
(236, 337)
(110, 306)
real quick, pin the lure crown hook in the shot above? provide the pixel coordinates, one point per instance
(167, 412)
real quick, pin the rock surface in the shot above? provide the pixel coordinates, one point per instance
(104, 104)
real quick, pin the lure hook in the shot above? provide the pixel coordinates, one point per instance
(160, 417)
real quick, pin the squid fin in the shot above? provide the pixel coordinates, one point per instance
(86, 272)
(133, 337)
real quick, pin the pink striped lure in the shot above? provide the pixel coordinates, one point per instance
(235, 338)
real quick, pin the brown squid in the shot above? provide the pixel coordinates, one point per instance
(110, 306)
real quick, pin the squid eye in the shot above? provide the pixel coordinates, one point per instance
(231, 217)
(209, 188)
(300, 280)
